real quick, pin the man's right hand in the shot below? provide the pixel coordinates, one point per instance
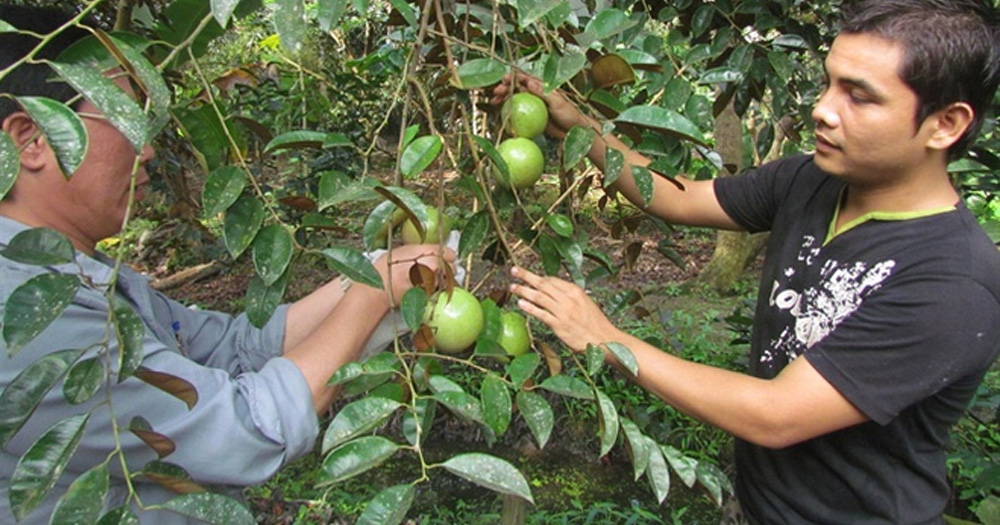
(563, 115)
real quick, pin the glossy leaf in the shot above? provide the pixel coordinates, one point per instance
(475, 232)
(480, 72)
(290, 21)
(530, 12)
(494, 155)
(388, 507)
(171, 476)
(644, 182)
(420, 154)
(417, 422)
(114, 104)
(356, 418)
(241, 224)
(611, 70)
(84, 380)
(22, 396)
(577, 145)
(462, 404)
(624, 356)
(522, 368)
(608, 417)
(354, 265)
(131, 331)
(412, 307)
(497, 405)
(211, 507)
(490, 472)
(613, 165)
(33, 305)
(39, 246)
(128, 53)
(222, 187)
(662, 120)
(657, 472)
(63, 129)
(336, 187)
(329, 12)
(594, 359)
(10, 163)
(171, 384)
(272, 251)
(162, 445)
(538, 414)
(262, 300)
(355, 457)
(43, 463)
(637, 447)
(720, 75)
(408, 201)
(568, 386)
(119, 516)
(714, 481)
(559, 69)
(222, 10)
(84, 499)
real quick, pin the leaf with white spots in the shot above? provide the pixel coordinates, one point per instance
(490, 472)
(10, 163)
(33, 306)
(63, 129)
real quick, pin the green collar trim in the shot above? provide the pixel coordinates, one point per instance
(879, 216)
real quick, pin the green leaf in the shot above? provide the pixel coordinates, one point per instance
(290, 21)
(494, 155)
(608, 416)
(354, 265)
(170, 476)
(475, 232)
(685, 467)
(568, 386)
(791, 41)
(63, 129)
(388, 507)
(412, 307)
(41, 247)
(644, 182)
(497, 405)
(480, 72)
(336, 187)
(150, 79)
(357, 418)
(662, 120)
(577, 145)
(417, 423)
(720, 75)
(608, 23)
(119, 516)
(355, 457)
(637, 447)
(376, 230)
(713, 479)
(328, 13)
(560, 224)
(84, 380)
(559, 69)
(406, 11)
(241, 224)
(222, 187)
(117, 106)
(419, 154)
(538, 414)
(263, 299)
(34, 305)
(7, 28)
(462, 404)
(10, 163)
(22, 396)
(490, 472)
(522, 368)
(84, 499)
(657, 472)
(531, 11)
(130, 331)
(39, 468)
(272, 251)
(300, 139)
(594, 359)
(210, 507)
(407, 201)
(624, 356)
(614, 162)
(222, 10)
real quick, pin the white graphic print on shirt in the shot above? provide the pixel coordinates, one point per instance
(814, 312)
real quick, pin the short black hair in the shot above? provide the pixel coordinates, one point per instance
(951, 51)
(34, 79)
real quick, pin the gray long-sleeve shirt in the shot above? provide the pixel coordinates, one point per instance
(254, 411)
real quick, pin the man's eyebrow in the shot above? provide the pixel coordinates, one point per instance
(861, 84)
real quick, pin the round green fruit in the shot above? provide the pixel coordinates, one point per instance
(514, 336)
(439, 228)
(526, 115)
(455, 320)
(525, 162)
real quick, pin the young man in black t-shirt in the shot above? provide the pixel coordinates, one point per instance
(876, 276)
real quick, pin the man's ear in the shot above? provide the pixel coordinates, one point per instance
(28, 139)
(950, 124)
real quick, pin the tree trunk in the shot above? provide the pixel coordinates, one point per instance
(733, 250)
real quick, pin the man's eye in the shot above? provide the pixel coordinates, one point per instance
(859, 97)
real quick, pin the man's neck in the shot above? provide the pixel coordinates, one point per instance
(916, 193)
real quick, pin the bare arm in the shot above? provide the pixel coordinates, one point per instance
(797, 405)
(695, 205)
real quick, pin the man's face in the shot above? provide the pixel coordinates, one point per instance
(95, 199)
(865, 130)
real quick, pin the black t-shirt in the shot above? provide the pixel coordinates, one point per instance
(900, 313)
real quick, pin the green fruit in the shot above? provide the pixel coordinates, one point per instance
(455, 320)
(525, 162)
(514, 337)
(439, 228)
(526, 114)
(383, 235)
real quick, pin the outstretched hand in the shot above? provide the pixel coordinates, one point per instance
(563, 115)
(565, 307)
